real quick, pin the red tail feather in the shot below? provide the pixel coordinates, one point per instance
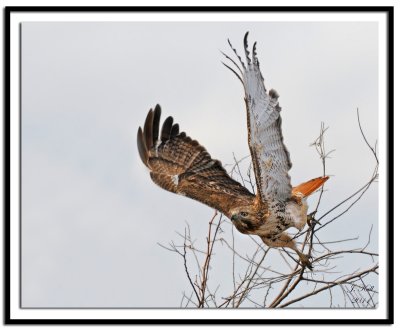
(307, 188)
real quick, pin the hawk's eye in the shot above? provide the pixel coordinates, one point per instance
(244, 214)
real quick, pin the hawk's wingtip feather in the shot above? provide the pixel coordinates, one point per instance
(142, 146)
(156, 123)
(148, 129)
(166, 129)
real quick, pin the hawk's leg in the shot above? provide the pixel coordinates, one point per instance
(305, 260)
(285, 240)
(311, 221)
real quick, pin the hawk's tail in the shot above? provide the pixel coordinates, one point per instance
(305, 189)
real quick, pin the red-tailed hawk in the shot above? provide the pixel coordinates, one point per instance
(181, 165)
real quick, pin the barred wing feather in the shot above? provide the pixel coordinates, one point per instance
(270, 156)
(181, 165)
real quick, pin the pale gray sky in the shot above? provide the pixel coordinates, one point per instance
(91, 216)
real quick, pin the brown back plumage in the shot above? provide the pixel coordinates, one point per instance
(181, 165)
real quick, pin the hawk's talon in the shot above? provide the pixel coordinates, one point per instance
(311, 221)
(305, 261)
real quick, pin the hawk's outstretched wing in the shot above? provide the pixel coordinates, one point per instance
(181, 165)
(270, 156)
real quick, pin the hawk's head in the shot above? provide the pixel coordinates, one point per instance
(245, 219)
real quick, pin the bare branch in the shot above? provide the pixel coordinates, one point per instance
(275, 286)
(330, 285)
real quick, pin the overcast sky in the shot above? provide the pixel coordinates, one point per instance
(91, 216)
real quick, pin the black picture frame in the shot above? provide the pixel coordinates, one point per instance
(389, 11)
